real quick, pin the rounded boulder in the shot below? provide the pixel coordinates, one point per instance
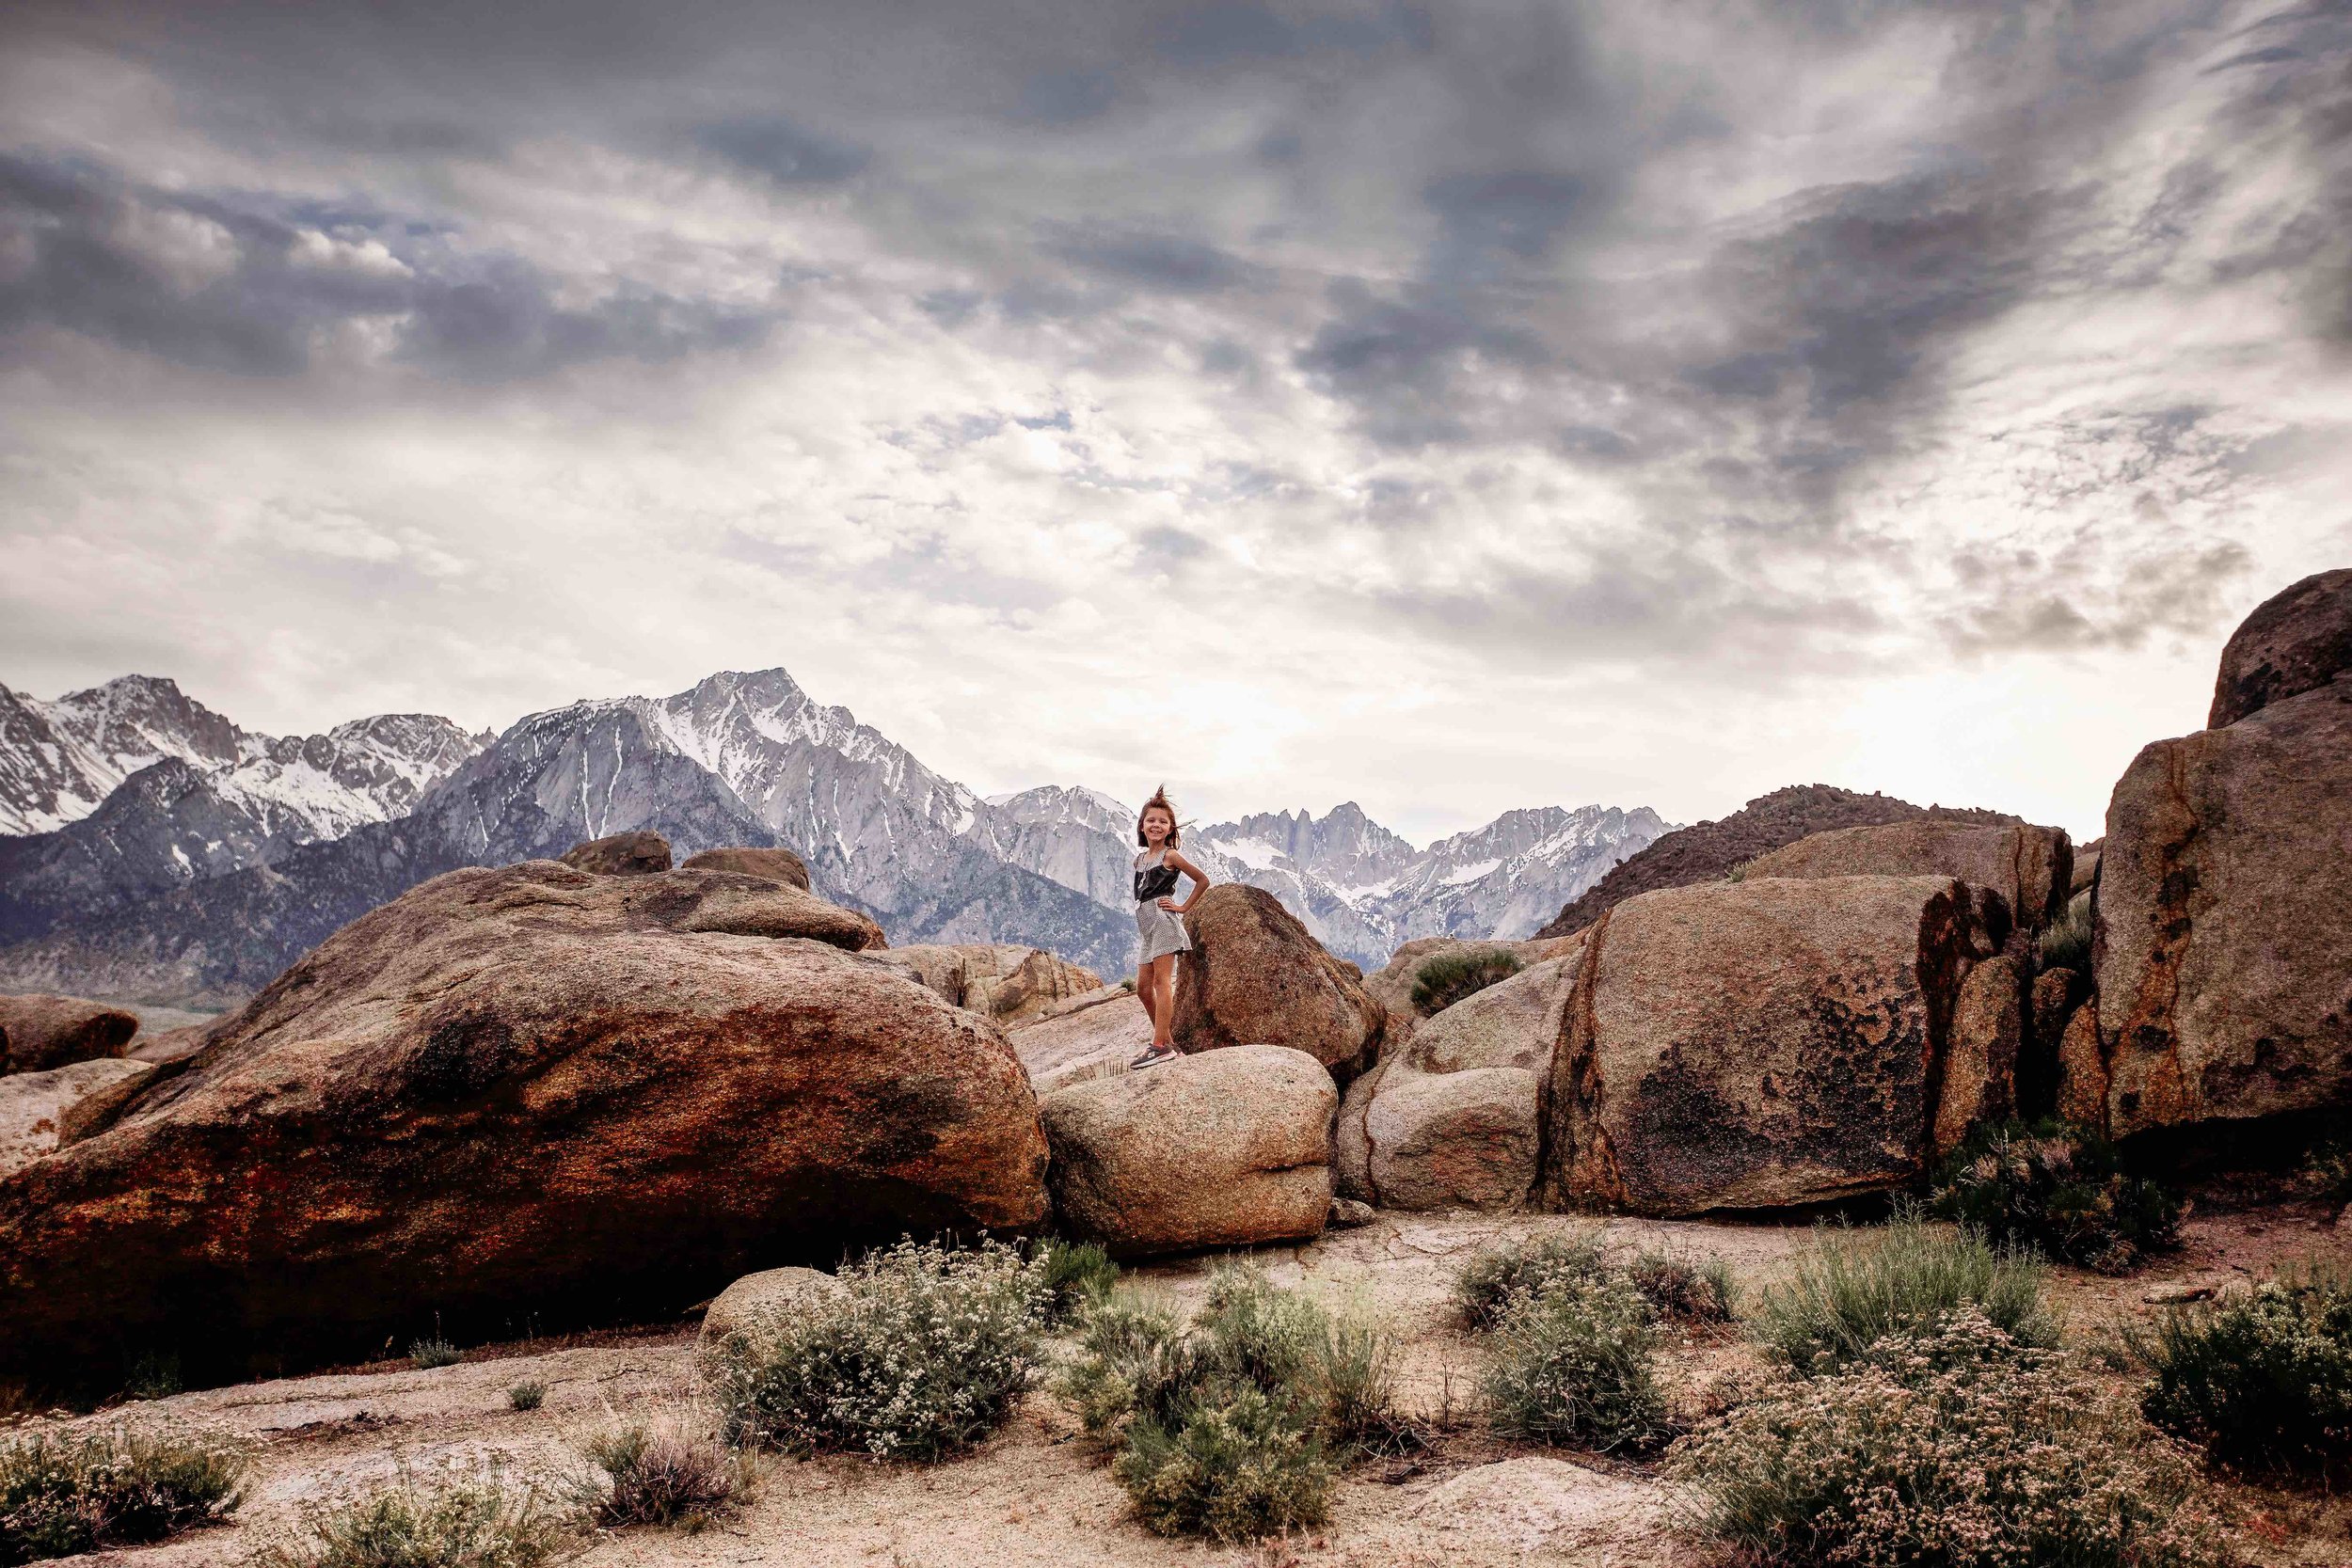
(1227, 1148)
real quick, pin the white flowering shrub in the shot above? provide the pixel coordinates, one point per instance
(924, 1353)
(1956, 1446)
(63, 1492)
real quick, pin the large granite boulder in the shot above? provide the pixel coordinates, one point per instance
(1077, 1043)
(522, 1092)
(1454, 1120)
(1255, 976)
(37, 1109)
(2296, 642)
(632, 854)
(1230, 1147)
(2032, 868)
(44, 1031)
(775, 865)
(1453, 1140)
(2224, 953)
(1758, 1044)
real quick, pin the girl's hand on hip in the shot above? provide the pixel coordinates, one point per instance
(1169, 904)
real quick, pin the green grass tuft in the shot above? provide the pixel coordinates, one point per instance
(1850, 1288)
(1074, 1275)
(1445, 978)
(530, 1394)
(2065, 942)
(454, 1521)
(426, 1355)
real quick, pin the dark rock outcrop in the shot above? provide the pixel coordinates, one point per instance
(2294, 641)
(530, 1091)
(1705, 851)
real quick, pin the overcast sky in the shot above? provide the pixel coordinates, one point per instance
(1448, 409)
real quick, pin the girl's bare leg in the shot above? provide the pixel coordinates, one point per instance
(1164, 1009)
(1145, 988)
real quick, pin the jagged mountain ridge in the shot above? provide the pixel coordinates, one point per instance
(180, 888)
(60, 761)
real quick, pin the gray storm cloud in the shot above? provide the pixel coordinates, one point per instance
(1317, 358)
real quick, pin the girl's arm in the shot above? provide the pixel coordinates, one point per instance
(1199, 883)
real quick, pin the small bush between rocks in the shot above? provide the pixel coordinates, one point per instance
(923, 1354)
(2065, 942)
(1956, 1446)
(1700, 1292)
(667, 1469)
(65, 1493)
(1524, 1266)
(1849, 1289)
(426, 1355)
(1571, 1364)
(1445, 978)
(530, 1394)
(454, 1520)
(1075, 1274)
(2262, 1380)
(2061, 1189)
(1233, 1426)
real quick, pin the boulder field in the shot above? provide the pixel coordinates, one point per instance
(528, 1092)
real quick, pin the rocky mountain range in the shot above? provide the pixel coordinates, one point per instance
(161, 854)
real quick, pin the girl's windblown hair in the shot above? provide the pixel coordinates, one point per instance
(1159, 802)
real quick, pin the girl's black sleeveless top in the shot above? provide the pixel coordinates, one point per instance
(1155, 881)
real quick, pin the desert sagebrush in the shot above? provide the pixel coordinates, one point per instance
(667, 1468)
(1234, 1425)
(2262, 1378)
(64, 1493)
(2061, 1189)
(923, 1353)
(1570, 1363)
(1520, 1266)
(1954, 1446)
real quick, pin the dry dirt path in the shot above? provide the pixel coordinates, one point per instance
(1035, 1496)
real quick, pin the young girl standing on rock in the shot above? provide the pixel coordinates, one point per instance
(1159, 919)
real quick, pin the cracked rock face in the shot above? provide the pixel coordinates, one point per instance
(524, 1092)
(1758, 1044)
(2224, 950)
